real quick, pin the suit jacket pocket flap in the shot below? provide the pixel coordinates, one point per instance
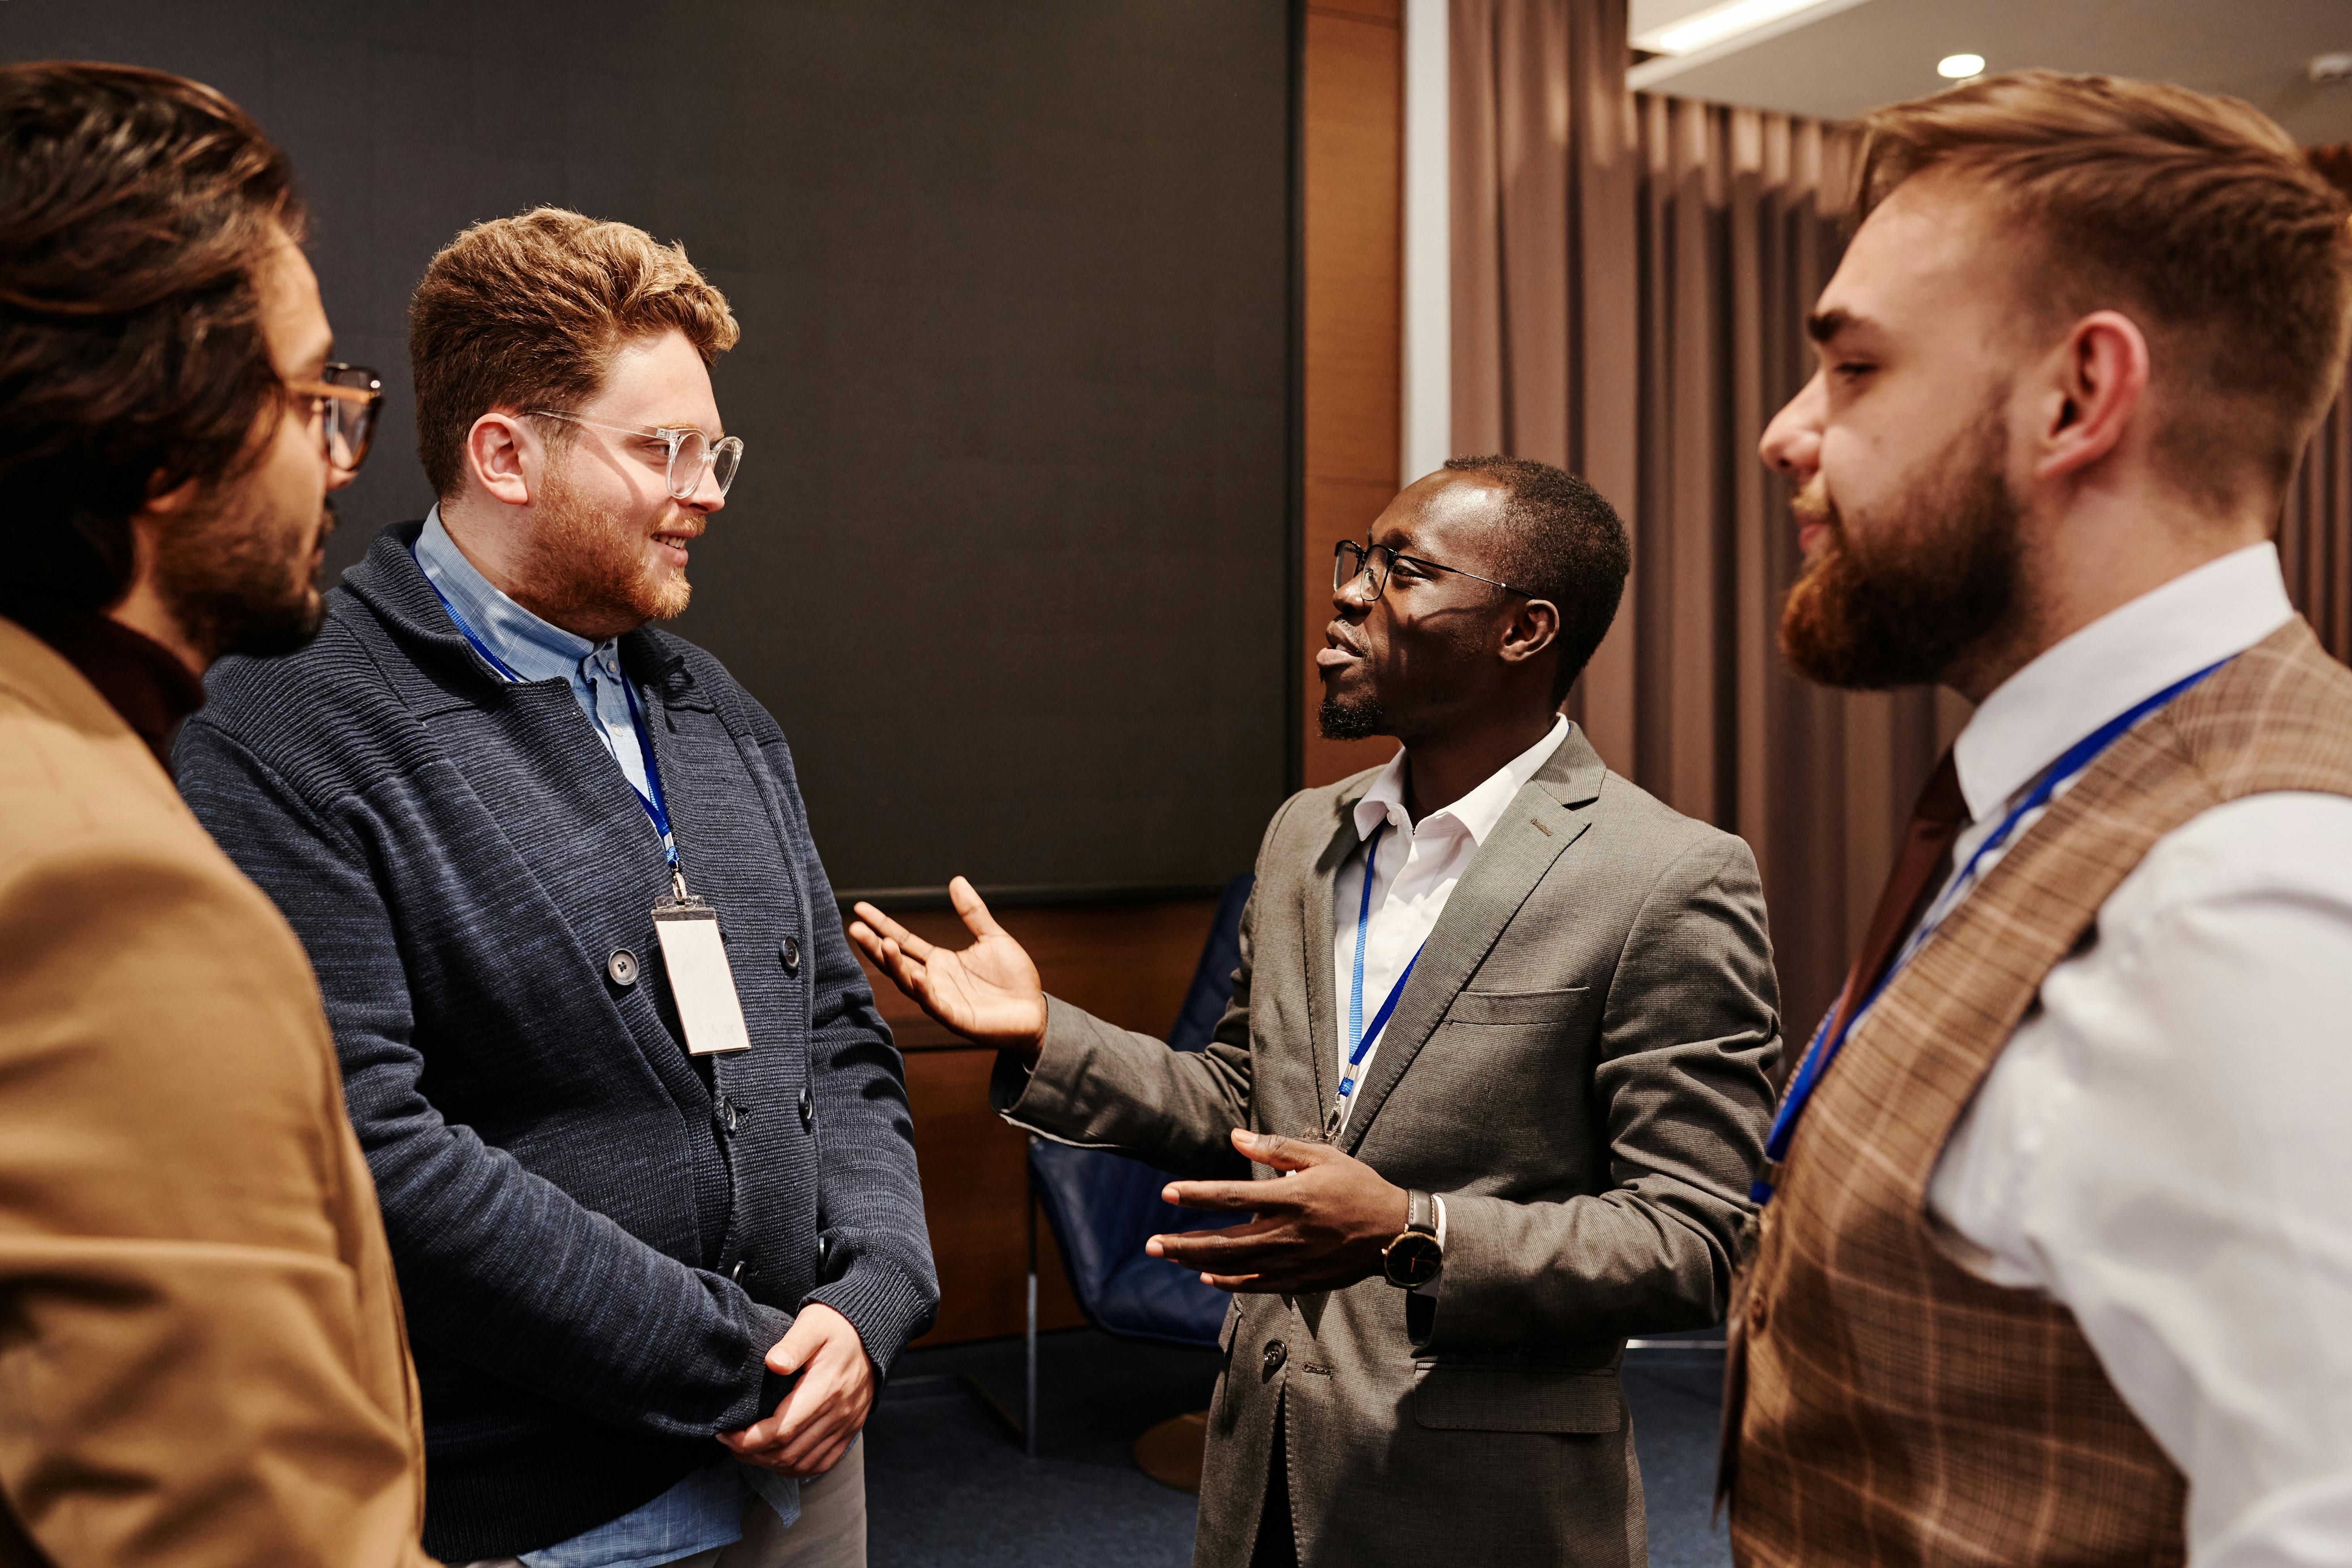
(1516, 1006)
(1516, 1399)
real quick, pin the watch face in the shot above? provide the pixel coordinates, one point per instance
(1411, 1259)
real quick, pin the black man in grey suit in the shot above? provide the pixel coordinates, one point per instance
(1503, 1023)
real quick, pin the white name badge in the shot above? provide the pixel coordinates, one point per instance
(699, 980)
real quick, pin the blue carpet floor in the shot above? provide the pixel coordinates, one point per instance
(949, 1486)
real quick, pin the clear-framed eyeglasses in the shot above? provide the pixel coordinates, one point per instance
(691, 453)
(1350, 560)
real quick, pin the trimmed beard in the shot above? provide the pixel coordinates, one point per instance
(1360, 719)
(592, 559)
(231, 588)
(1937, 577)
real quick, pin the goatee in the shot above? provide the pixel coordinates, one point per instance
(1340, 719)
(1924, 587)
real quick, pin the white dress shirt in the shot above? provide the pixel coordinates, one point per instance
(2165, 1144)
(1413, 873)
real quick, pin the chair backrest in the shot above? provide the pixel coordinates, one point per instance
(1103, 1206)
(1213, 977)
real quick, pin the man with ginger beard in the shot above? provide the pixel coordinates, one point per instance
(1901, 603)
(652, 1193)
(2053, 1261)
(201, 1354)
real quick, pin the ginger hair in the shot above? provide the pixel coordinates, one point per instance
(527, 313)
(2195, 215)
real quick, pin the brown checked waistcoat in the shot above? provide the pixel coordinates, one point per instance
(1897, 1409)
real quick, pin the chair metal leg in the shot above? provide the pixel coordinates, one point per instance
(1029, 1406)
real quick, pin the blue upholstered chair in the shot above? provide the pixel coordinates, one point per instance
(1103, 1206)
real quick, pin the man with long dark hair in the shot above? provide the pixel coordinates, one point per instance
(201, 1352)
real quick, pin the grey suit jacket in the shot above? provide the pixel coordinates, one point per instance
(1578, 1064)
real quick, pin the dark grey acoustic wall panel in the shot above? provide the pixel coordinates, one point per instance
(1007, 555)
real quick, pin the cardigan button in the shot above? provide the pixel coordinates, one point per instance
(1759, 1316)
(808, 1108)
(622, 967)
(729, 1113)
(792, 951)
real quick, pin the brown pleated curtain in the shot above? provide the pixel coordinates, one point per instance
(1631, 277)
(2315, 533)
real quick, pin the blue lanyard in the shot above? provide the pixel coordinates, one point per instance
(1359, 1036)
(1824, 1048)
(656, 806)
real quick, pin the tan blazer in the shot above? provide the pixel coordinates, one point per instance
(201, 1353)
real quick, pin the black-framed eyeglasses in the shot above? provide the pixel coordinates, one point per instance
(344, 400)
(1350, 560)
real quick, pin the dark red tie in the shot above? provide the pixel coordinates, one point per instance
(1925, 861)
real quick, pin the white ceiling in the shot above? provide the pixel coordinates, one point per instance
(1848, 60)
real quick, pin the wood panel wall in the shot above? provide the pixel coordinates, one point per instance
(1353, 119)
(1131, 964)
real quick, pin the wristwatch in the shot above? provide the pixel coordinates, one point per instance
(1414, 1257)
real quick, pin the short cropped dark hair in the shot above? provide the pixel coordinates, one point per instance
(1564, 543)
(133, 208)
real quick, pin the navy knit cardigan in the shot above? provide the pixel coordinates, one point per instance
(598, 1237)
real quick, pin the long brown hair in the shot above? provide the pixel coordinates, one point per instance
(133, 206)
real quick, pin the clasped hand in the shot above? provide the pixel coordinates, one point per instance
(1321, 1226)
(813, 1424)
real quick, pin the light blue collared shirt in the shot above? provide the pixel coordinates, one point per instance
(536, 650)
(706, 1508)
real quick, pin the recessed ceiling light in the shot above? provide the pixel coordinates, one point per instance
(1959, 67)
(1716, 23)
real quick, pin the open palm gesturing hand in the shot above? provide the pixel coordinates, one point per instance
(988, 993)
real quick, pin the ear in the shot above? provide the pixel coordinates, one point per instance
(2098, 384)
(160, 510)
(171, 502)
(1531, 629)
(505, 457)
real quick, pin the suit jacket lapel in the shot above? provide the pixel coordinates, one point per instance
(1322, 986)
(1543, 820)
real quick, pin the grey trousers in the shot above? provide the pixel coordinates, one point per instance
(829, 1534)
